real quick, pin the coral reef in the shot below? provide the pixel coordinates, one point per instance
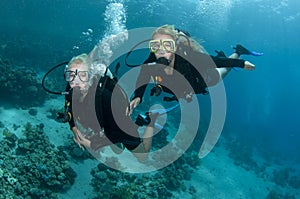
(33, 111)
(241, 150)
(286, 177)
(281, 176)
(75, 153)
(273, 194)
(294, 181)
(242, 154)
(20, 85)
(109, 183)
(31, 167)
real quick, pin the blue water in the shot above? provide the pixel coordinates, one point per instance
(262, 105)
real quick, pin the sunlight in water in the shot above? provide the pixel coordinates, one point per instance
(215, 12)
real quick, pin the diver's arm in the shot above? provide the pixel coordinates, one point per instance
(132, 105)
(139, 92)
(144, 77)
(67, 115)
(142, 82)
(68, 110)
(79, 138)
(136, 100)
(71, 122)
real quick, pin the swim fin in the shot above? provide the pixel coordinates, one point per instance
(220, 53)
(241, 50)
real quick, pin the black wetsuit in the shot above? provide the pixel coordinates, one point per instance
(96, 112)
(195, 68)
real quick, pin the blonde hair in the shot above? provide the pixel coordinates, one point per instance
(82, 58)
(166, 30)
(85, 60)
(179, 37)
(95, 68)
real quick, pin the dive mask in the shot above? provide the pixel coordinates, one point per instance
(166, 44)
(82, 75)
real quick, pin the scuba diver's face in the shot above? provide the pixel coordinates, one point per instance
(78, 77)
(163, 46)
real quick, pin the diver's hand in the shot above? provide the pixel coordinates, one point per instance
(133, 104)
(249, 66)
(76, 137)
(84, 141)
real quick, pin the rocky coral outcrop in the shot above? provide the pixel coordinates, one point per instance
(109, 183)
(20, 86)
(31, 167)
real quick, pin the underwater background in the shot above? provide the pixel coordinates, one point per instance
(260, 136)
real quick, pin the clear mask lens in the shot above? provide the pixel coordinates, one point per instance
(82, 75)
(165, 44)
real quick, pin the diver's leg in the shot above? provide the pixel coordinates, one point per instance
(239, 50)
(145, 146)
(224, 71)
(147, 138)
(234, 56)
(142, 151)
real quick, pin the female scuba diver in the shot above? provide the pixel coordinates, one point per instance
(96, 107)
(177, 52)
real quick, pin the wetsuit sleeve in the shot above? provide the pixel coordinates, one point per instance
(70, 115)
(68, 110)
(144, 77)
(224, 62)
(142, 82)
